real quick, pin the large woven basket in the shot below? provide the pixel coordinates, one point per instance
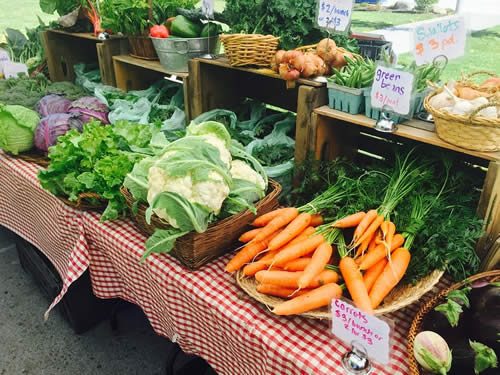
(416, 325)
(470, 132)
(196, 249)
(400, 297)
(34, 156)
(86, 202)
(468, 80)
(249, 49)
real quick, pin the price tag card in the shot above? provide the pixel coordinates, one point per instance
(207, 8)
(334, 15)
(392, 88)
(445, 36)
(13, 69)
(351, 324)
(4, 56)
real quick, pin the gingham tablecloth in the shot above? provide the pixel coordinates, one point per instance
(43, 220)
(204, 311)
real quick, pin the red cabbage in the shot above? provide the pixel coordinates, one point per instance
(51, 104)
(52, 126)
(90, 108)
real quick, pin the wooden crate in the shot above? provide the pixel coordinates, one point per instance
(64, 50)
(133, 73)
(216, 84)
(342, 134)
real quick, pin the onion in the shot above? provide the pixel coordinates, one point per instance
(340, 58)
(327, 49)
(277, 60)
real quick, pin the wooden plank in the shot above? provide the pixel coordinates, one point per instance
(120, 75)
(334, 141)
(187, 107)
(50, 55)
(89, 36)
(308, 99)
(489, 208)
(224, 62)
(492, 259)
(105, 53)
(194, 100)
(406, 132)
(153, 65)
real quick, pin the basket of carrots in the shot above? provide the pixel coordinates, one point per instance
(295, 261)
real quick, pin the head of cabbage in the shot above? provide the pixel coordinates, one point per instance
(17, 128)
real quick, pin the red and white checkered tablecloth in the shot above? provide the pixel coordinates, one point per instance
(204, 311)
(208, 315)
(43, 220)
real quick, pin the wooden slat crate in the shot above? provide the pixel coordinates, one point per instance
(64, 50)
(215, 84)
(353, 136)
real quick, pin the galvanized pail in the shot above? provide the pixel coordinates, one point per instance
(174, 52)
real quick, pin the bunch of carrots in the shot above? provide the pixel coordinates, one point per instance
(294, 255)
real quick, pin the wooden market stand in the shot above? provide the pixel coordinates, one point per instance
(214, 83)
(64, 50)
(338, 133)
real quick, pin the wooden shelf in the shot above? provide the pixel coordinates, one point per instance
(406, 131)
(148, 64)
(89, 36)
(224, 62)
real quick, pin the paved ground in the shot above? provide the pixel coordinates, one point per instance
(28, 345)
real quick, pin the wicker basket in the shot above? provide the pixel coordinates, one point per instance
(34, 156)
(470, 132)
(468, 80)
(400, 297)
(416, 325)
(196, 249)
(86, 202)
(249, 49)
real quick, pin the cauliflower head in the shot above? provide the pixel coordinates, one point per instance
(243, 171)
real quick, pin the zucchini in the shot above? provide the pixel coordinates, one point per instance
(210, 29)
(184, 28)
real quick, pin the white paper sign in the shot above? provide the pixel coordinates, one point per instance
(207, 8)
(4, 56)
(351, 324)
(334, 15)
(13, 69)
(392, 88)
(445, 36)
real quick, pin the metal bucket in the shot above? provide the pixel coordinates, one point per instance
(174, 52)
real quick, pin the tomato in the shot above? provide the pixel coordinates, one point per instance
(159, 31)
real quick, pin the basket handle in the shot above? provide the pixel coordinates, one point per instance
(481, 107)
(479, 72)
(181, 46)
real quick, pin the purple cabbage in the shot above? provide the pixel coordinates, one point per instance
(52, 126)
(90, 108)
(51, 104)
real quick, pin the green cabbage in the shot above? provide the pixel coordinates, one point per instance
(17, 128)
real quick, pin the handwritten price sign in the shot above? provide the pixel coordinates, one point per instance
(351, 324)
(334, 15)
(445, 36)
(392, 88)
(207, 8)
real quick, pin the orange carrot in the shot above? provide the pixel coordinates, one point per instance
(370, 231)
(391, 231)
(285, 217)
(247, 254)
(354, 282)
(316, 220)
(317, 264)
(296, 226)
(364, 224)
(263, 220)
(297, 264)
(298, 249)
(364, 245)
(311, 300)
(290, 279)
(250, 235)
(374, 242)
(391, 275)
(349, 221)
(379, 253)
(261, 264)
(279, 291)
(371, 274)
